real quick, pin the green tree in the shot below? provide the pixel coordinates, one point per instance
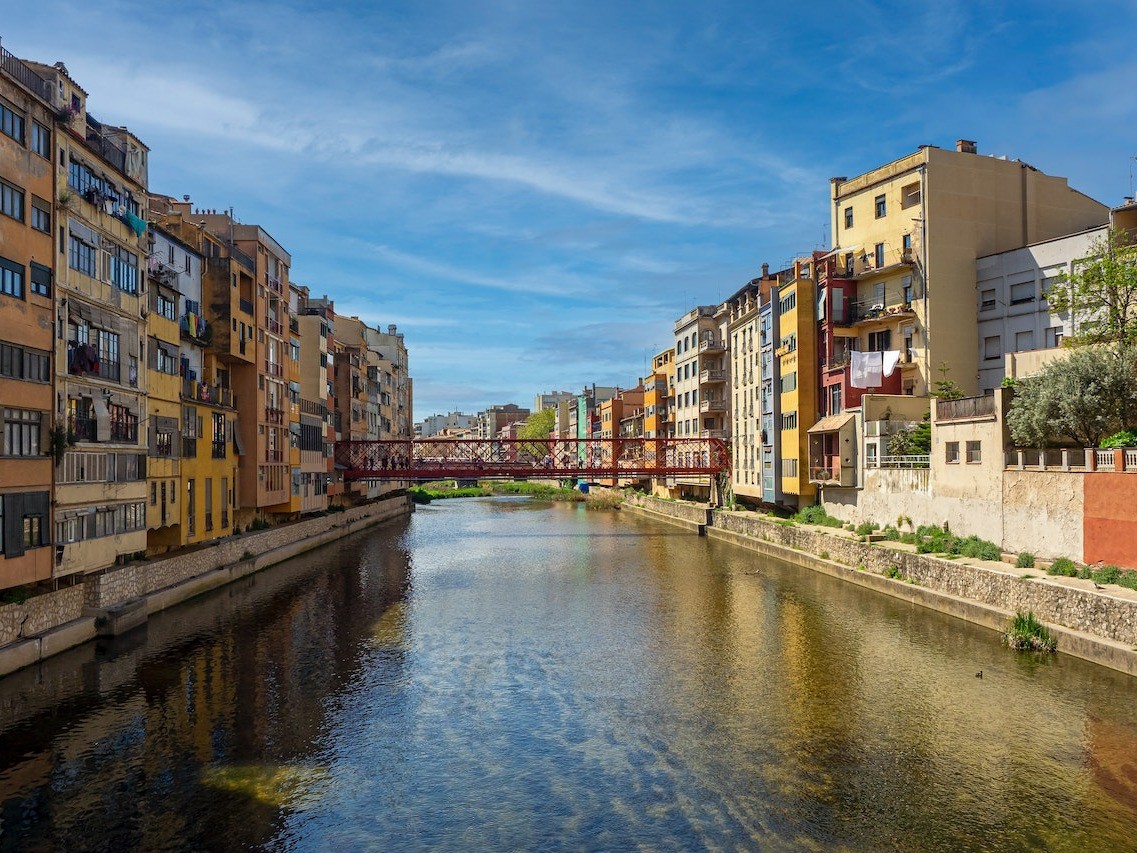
(945, 388)
(1100, 295)
(912, 441)
(537, 426)
(1082, 398)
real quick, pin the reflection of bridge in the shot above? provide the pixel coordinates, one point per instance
(587, 458)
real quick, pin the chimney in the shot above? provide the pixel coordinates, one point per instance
(966, 146)
(392, 329)
(765, 270)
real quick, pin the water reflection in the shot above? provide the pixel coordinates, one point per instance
(500, 674)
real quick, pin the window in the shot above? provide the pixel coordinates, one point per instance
(906, 242)
(1048, 283)
(167, 307)
(41, 216)
(789, 421)
(109, 366)
(11, 122)
(124, 269)
(789, 343)
(871, 454)
(23, 517)
(191, 507)
(974, 451)
(848, 217)
(1053, 336)
(987, 300)
(992, 348)
(33, 531)
(22, 432)
(163, 444)
(878, 255)
(910, 195)
(11, 201)
(1024, 341)
(789, 468)
(124, 424)
(880, 341)
(11, 278)
(788, 303)
(19, 363)
(951, 452)
(81, 256)
(1022, 293)
(788, 382)
(880, 206)
(41, 140)
(41, 279)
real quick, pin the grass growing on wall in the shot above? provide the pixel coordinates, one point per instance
(1026, 633)
(816, 515)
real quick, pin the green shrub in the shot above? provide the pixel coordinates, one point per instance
(825, 556)
(866, 528)
(16, 595)
(248, 555)
(419, 496)
(816, 515)
(893, 571)
(1025, 561)
(1125, 438)
(1106, 574)
(1026, 633)
(1084, 573)
(1063, 566)
(1128, 579)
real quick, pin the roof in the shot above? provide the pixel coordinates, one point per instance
(832, 423)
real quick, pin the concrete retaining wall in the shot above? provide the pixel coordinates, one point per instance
(49, 623)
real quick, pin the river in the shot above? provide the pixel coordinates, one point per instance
(506, 674)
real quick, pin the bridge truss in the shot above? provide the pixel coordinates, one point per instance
(576, 458)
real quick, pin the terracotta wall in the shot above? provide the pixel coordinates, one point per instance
(1109, 523)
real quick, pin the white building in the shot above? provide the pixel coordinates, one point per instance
(1011, 287)
(435, 424)
(551, 400)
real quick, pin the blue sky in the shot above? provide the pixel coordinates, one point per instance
(534, 192)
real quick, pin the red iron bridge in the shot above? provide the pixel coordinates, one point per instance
(578, 458)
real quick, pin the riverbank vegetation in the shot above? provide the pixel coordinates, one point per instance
(1026, 633)
(428, 492)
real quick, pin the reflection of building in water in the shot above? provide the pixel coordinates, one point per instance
(205, 728)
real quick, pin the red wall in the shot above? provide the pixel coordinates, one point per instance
(1109, 521)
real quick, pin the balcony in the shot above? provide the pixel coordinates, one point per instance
(24, 75)
(294, 325)
(713, 433)
(273, 369)
(711, 346)
(921, 460)
(82, 428)
(966, 408)
(246, 306)
(274, 456)
(708, 376)
(218, 449)
(274, 326)
(712, 406)
(202, 393)
(876, 312)
(125, 431)
(273, 415)
(194, 328)
(273, 283)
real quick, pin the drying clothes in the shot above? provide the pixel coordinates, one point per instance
(84, 358)
(890, 358)
(866, 369)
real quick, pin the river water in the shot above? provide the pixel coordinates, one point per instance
(505, 674)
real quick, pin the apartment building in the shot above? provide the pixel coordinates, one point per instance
(1012, 287)
(100, 386)
(658, 395)
(311, 327)
(436, 424)
(265, 459)
(27, 318)
(770, 435)
(551, 400)
(700, 384)
(908, 234)
(495, 418)
(795, 358)
(743, 335)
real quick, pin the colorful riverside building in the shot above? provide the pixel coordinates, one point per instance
(27, 320)
(207, 285)
(743, 336)
(100, 380)
(795, 358)
(265, 426)
(316, 321)
(658, 389)
(701, 403)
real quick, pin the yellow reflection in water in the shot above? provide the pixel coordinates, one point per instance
(390, 630)
(271, 784)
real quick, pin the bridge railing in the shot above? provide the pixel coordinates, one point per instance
(434, 458)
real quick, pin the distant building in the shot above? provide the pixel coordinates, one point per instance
(436, 424)
(494, 418)
(550, 400)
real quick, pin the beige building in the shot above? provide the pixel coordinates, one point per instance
(100, 381)
(701, 407)
(743, 336)
(909, 233)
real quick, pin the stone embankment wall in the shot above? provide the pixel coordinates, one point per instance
(52, 622)
(692, 514)
(981, 594)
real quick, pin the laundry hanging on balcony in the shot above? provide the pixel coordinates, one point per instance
(866, 369)
(889, 360)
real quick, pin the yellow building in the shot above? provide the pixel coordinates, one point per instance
(796, 372)
(101, 176)
(909, 232)
(27, 191)
(657, 395)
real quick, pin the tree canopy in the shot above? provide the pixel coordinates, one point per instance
(1081, 399)
(1100, 294)
(538, 424)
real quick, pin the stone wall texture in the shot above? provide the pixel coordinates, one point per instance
(693, 513)
(40, 614)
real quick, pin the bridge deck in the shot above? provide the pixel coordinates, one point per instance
(595, 458)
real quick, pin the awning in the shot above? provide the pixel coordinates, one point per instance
(832, 423)
(840, 249)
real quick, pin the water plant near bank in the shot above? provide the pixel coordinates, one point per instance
(1026, 633)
